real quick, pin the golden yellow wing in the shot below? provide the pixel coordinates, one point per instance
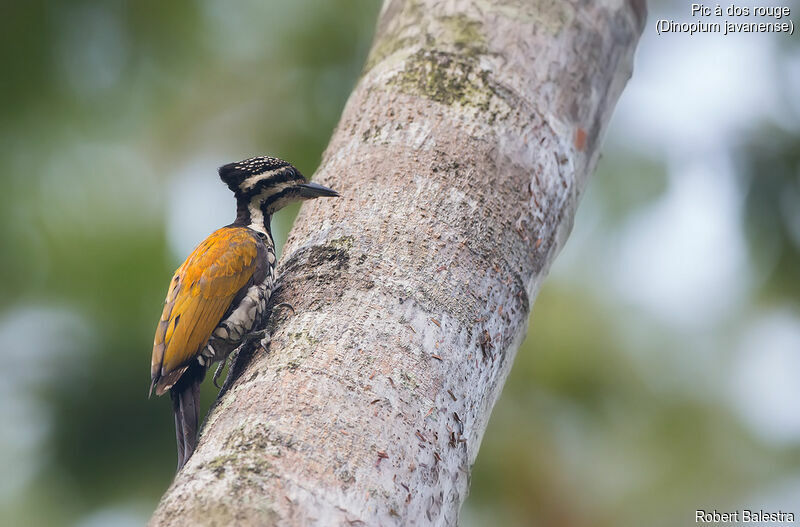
(199, 295)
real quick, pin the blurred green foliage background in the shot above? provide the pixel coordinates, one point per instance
(659, 375)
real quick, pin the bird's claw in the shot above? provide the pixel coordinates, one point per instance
(221, 366)
(266, 338)
(262, 334)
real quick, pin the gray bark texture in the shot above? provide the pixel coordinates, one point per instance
(460, 157)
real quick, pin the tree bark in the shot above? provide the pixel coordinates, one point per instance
(460, 157)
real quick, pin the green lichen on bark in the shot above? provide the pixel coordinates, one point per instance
(447, 68)
(219, 463)
(444, 77)
(414, 29)
(343, 242)
(440, 57)
(463, 33)
(302, 339)
(386, 47)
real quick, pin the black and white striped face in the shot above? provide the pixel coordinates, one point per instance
(267, 184)
(251, 177)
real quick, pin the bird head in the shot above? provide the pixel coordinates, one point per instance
(269, 184)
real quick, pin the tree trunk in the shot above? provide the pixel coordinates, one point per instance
(460, 158)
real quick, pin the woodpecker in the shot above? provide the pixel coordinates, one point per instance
(222, 289)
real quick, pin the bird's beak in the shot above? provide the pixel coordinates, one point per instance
(315, 190)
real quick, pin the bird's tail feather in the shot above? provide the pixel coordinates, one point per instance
(185, 396)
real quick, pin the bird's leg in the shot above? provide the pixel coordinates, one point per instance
(233, 354)
(220, 367)
(265, 336)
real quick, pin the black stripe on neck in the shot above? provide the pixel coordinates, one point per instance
(244, 218)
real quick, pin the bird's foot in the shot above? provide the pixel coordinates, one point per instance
(263, 334)
(265, 337)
